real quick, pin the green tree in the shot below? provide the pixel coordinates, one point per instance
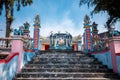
(9, 10)
(112, 7)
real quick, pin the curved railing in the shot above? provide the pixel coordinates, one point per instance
(17, 56)
(9, 66)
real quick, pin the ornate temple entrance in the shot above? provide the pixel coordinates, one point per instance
(61, 41)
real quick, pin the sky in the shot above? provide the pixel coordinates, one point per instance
(55, 15)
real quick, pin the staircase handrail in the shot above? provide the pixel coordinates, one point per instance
(9, 66)
(9, 57)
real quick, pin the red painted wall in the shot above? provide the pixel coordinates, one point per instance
(75, 47)
(47, 47)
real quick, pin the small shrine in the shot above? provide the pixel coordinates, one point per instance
(23, 30)
(61, 41)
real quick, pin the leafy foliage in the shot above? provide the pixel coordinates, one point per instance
(9, 10)
(112, 7)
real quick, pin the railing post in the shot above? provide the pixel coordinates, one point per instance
(17, 46)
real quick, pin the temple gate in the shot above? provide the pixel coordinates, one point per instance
(62, 41)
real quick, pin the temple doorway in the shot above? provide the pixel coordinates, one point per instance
(45, 46)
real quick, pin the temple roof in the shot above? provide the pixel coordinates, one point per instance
(62, 34)
(115, 33)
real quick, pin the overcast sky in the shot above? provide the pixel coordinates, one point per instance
(55, 15)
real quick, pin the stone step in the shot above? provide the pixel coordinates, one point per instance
(65, 70)
(60, 52)
(70, 78)
(54, 55)
(36, 57)
(66, 59)
(63, 62)
(86, 57)
(65, 56)
(98, 66)
(65, 65)
(66, 75)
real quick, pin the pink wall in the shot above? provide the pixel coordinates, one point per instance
(115, 49)
(17, 46)
(113, 56)
(117, 46)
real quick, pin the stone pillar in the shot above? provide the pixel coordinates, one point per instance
(36, 32)
(114, 44)
(66, 42)
(87, 35)
(88, 39)
(17, 46)
(52, 41)
(79, 45)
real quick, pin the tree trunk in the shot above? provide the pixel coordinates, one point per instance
(7, 27)
(8, 20)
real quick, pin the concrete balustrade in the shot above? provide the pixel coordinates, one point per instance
(5, 43)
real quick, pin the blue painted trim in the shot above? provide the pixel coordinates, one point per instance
(118, 64)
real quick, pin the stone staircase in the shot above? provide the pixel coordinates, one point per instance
(65, 65)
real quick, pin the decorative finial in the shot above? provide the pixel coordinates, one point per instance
(94, 26)
(86, 19)
(26, 24)
(37, 21)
